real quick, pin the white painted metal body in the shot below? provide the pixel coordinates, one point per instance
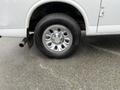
(15, 15)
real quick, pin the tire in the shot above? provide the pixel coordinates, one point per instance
(55, 21)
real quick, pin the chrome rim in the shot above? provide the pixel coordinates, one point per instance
(57, 39)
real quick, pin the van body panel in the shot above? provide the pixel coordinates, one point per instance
(110, 22)
(16, 14)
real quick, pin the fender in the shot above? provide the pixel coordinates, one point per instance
(70, 2)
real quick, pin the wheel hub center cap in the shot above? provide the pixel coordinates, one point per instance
(57, 38)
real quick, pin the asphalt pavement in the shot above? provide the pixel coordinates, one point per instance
(95, 66)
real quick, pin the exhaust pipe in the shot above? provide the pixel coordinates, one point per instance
(23, 42)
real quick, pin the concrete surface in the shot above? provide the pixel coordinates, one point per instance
(96, 66)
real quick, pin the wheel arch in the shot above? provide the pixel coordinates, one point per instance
(69, 2)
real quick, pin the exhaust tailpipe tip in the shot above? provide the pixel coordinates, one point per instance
(21, 45)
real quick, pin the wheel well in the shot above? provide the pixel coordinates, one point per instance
(55, 7)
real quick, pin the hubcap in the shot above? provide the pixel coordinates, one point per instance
(57, 39)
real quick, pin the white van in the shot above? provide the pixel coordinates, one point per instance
(56, 25)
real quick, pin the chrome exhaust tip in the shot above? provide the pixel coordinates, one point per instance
(23, 43)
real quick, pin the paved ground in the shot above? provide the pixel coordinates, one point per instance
(96, 66)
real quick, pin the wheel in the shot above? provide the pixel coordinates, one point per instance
(57, 35)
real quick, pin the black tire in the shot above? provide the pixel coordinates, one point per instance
(62, 19)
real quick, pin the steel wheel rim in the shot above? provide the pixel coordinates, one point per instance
(57, 39)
